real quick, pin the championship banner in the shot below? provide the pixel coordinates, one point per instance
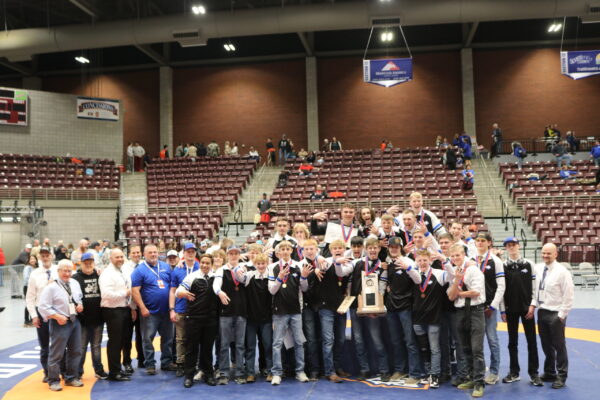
(13, 107)
(580, 64)
(100, 109)
(387, 72)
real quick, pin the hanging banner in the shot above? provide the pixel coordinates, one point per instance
(100, 109)
(13, 107)
(387, 72)
(580, 64)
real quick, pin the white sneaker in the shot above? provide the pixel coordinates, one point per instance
(276, 380)
(301, 376)
(198, 376)
(491, 379)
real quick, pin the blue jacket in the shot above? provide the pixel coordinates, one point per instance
(595, 151)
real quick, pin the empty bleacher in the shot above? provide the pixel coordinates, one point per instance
(50, 177)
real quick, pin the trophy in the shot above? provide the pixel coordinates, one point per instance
(370, 301)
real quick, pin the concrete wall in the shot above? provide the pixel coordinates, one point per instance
(54, 129)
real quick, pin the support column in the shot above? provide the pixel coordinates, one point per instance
(312, 104)
(166, 109)
(32, 82)
(468, 92)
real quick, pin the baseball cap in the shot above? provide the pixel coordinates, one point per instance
(45, 248)
(171, 253)
(204, 243)
(28, 246)
(189, 245)
(87, 256)
(394, 241)
(484, 235)
(511, 239)
(233, 248)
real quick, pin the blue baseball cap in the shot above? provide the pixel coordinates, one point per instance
(87, 256)
(511, 239)
(189, 245)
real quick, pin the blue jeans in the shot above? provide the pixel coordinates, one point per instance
(404, 343)
(282, 156)
(565, 157)
(232, 329)
(150, 325)
(519, 162)
(333, 336)
(433, 334)
(92, 335)
(597, 161)
(65, 341)
(310, 329)
(280, 326)
(372, 329)
(129, 164)
(265, 331)
(493, 342)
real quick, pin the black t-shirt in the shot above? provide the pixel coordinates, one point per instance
(91, 315)
(205, 306)
(287, 299)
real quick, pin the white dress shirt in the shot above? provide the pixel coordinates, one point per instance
(473, 280)
(38, 280)
(554, 288)
(114, 285)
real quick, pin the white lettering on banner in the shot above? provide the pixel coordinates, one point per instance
(9, 370)
(34, 354)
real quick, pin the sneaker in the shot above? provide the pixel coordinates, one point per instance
(223, 380)
(170, 367)
(269, 378)
(314, 376)
(491, 379)
(151, 371)
(434, 382)
(128, 369)
(101, 375)
(341, 373)
(199, 375)
(240, 380)
(548, 378)
(397, 376)
(276, 380)
(45, 379)
(301, 376)
(510, 378)
(334, 378)
(385, 377)
(466, 385)
(411, 381)
(55, 387)
(424, 380)
(74, 383)
(536, 381)
(251, 379)
(478, 391)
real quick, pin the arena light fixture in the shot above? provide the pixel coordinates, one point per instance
(198, 9)
(387, 36)
(82, 60)
(554, 28)
(229, 46)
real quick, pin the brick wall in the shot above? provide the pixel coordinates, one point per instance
(242, 103)
(523, 91)
(138, 92)
(360, 115)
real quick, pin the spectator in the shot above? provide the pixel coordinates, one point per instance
(383, 145)
(192, 152)
(572, 141)
(561, 155)
(496, 141)
(305, 169)
(595, 153)
(555, 131)
(201, 150)
(566, 173)
(35, 248)
(227, 149)
(270, 152)
(138, 157)
(164, 153)
(60, 302)
(438, 141)
(179, 150)
(213, 149)
(456, 141)
(319, 193)
(466, 138)
(451, 158)
(468, 176)
(234, 149)
(519, 152)
(31, 265)
(467, 151)
(445, 144)
(311, 157)
(302, 153)
(336, 145)
(253, 154)
(264, 209)
(325, 146)
(283, 145)
(130, 157)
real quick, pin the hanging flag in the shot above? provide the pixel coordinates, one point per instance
(580, 64)
(387, 72)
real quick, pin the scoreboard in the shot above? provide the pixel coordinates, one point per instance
(13, 107)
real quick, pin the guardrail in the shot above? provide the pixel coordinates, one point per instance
(542, 145)
(59, 194)
(319, 205)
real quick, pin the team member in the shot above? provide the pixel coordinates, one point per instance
(300, 233)
(259, 323)
(429, 295)
(368, 222)
(286, 282)
(135, 256)
(253, 250)
(177, 307)
(422, 215)
(201, 319)
(462, 235)
(368, 325)
(282, 228)
(38, 280)
(357, 248)
(554, 300)
(60, 302)
(150, 288)
(402, 275)
(386, 231)
(172, 259)
(229, 286)
(468, 293)
(493, 270)
(422, 240)
(90, 319)
(343, 229)
(519, 302)
(115, 289)
(409, 227)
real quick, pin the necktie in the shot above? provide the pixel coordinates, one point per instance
(48, 273)
(423, 277)
(542, 285)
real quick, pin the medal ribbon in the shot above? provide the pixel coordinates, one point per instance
(464, 269)
(235, 281)
(487, 257)
(346, 237)
(423, 285)
(299, 252)
(406, 236)
(370, 271)
(281, 267)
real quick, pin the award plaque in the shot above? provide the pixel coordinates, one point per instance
(370, 301)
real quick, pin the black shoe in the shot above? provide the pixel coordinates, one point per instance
(548, 378)
(128, 369)
(179, 373)
(150, 371)
(363, 375)
(314, 376)
(434, 382)
(188, 383)
(510, 378)
(385, 377)
(536, 381)
(100, 375)
(170, 367)
(559, 383)
(119, 378)
(45, 379)
(210, 380)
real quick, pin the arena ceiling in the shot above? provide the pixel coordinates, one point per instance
(494, 26)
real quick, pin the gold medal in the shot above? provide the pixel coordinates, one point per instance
(423, 295)
(284, 285)
(340, 283)
(237, 288)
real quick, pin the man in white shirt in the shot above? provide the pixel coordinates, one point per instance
(138, 157)
(39, 278)
(135, 256)
(115, 289)
(130, 157)
(554, 300)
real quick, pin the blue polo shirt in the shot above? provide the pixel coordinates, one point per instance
(177, 276)
(155, 296)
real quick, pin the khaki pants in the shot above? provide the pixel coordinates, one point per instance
(180, 339)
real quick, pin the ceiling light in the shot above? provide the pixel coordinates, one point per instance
(82, 60)
(226, 45)
(554, 28)
(198, 10)
(387, 36)
(231, 46)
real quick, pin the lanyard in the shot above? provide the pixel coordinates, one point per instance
(66, 289)
(344, 235)
(189, 270)
(484, 264)
(371, 270)
(153, 271)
